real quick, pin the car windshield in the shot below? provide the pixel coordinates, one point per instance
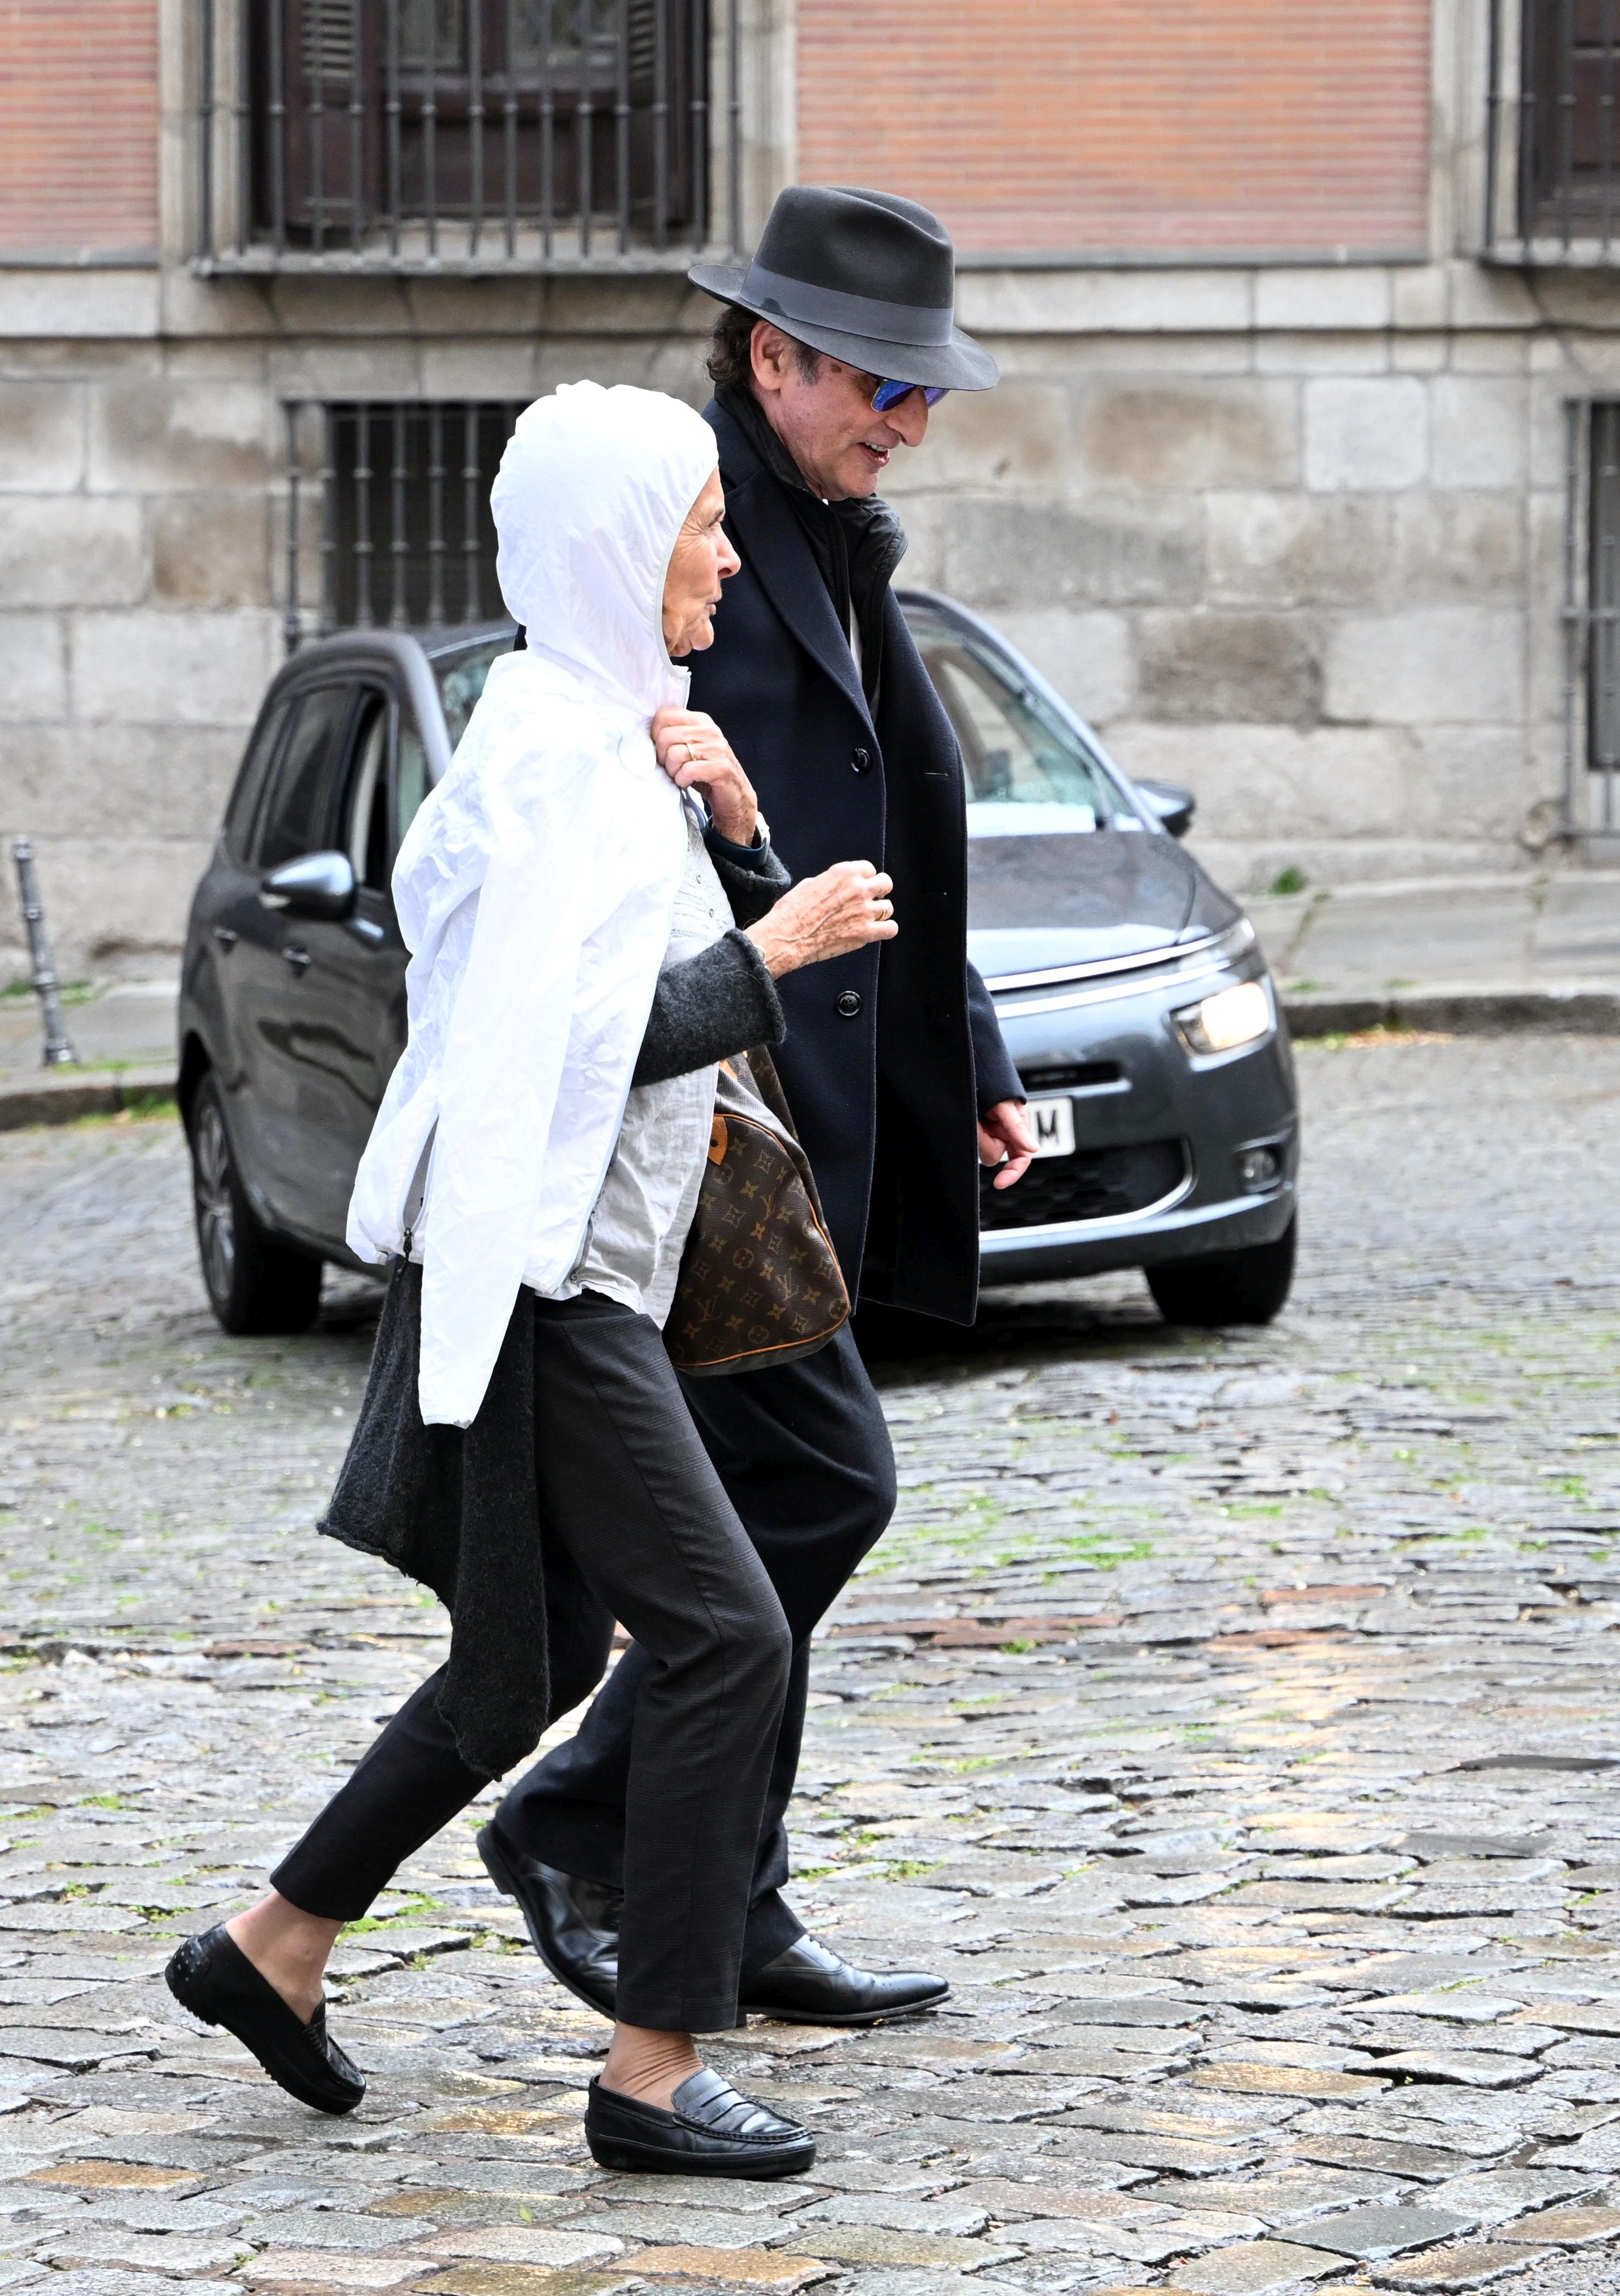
(461, 680)
(1028, 772)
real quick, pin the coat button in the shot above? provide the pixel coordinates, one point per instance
(860, 761)
(849, 1004)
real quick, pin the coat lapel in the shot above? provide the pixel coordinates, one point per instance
(769, 539)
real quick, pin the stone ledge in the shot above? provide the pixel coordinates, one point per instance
(1460, 1013)
(1255, 291)
(62, 1096)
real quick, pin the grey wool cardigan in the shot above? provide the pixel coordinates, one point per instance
(457, 1509)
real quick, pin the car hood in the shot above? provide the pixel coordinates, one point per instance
(1039, 902)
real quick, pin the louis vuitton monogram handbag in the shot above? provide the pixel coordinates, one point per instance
(760, 1281)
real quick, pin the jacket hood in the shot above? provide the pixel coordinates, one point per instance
(591, 494)
(534, 887)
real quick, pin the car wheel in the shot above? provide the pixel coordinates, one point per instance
(1229, 1287)
(254, 1284)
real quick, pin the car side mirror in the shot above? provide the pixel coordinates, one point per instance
(315, 885)
(1173, 806)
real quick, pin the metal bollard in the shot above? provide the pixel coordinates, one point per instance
(58, 1052)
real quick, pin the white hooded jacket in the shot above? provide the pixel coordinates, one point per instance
(534, 887)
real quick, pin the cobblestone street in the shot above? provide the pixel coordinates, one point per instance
(1230, 1717)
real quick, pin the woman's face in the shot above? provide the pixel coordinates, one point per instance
(701, 560)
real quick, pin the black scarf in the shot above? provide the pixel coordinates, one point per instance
(856, 543)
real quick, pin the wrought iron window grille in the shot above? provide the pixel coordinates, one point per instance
(472, 135)
(1592, 619)
(388, 514)
(1552, 133)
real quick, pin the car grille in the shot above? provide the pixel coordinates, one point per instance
(1093, 1183)
(1072, 1072)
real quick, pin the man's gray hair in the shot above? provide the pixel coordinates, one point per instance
(731, 354)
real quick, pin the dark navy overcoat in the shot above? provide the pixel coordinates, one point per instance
(891, 1053)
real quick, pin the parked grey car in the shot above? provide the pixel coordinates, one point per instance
(1132, 992)
(1134, 996)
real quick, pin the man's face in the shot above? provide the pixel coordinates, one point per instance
(827, 422)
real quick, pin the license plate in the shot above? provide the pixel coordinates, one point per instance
(1052, 1122)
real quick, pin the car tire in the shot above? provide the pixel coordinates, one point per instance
(255, 1285)
(1229, 1287)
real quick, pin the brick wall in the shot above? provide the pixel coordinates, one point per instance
(79, 127)
(1193, 125)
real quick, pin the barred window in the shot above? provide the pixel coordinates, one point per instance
(406, 540)
(498, 117)
(1552, 132)
(1569, 54)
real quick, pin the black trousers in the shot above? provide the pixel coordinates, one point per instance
(629, 1491)
(803, 1452)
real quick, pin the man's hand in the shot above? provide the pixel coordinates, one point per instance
(1004, 1130)
(693, 753)
(843, 910)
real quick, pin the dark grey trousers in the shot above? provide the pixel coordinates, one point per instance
(804, 1454)
(629, 1489)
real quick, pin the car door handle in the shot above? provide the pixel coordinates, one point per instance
(297, 957)
(227, 935)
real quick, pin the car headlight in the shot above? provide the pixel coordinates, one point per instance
(1230, 1018)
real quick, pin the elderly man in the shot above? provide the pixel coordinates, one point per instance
(833, 345)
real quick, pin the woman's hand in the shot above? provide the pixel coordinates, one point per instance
(843, 910)
(693, 753)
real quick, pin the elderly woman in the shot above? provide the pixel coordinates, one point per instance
(525, 1447)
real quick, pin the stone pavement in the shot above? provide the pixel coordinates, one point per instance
(1230, 1717)
(117, 1024)
(1496, 949)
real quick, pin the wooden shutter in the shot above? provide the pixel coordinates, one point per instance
(318, 117)
(329, 161)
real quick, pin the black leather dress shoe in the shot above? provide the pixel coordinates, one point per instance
(573, 1926)
(809, 1985)
(710, 2131)
(213, 1978)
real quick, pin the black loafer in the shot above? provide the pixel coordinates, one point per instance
(809, 1985)
(573, 1926)
(212, 1977)
(709, 2131)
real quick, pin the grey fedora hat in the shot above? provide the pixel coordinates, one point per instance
(867, 278)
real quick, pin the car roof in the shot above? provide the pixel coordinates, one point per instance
(416, 659)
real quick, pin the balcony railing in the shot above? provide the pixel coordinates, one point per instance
(1552, 146)
(482, 136)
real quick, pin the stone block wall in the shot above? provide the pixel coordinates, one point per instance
(142, 535)
(1313, 573)
(1310, 565)
(135, 629)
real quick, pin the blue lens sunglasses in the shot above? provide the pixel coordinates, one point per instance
(890, 394)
